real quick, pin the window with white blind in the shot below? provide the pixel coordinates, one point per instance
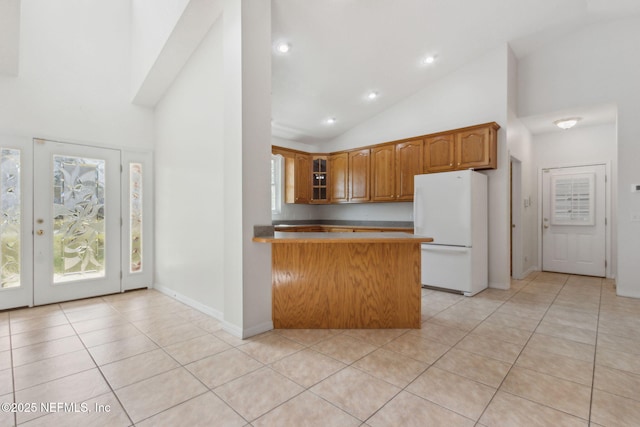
(573, 199)
(276, 183)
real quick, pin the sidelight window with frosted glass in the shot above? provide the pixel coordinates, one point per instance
(135, 225)
(10, 205)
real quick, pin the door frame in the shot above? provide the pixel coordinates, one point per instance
(46, 290)
(24, 295)
(609, 271)
(516, 225)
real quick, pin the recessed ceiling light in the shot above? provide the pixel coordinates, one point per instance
(330, 121)
(283, 47)
(567, 123)
(429, 59)
(372, 95)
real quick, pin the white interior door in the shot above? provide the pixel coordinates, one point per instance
(76, 221)
(573, 220)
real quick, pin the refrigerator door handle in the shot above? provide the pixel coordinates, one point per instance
(417, 212)
(436, 248)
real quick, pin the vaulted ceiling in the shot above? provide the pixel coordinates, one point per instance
(341, 50)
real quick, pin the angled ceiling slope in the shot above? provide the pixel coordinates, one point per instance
(173, 52)
(9, 36)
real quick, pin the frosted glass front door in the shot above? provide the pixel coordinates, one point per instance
(76, 221)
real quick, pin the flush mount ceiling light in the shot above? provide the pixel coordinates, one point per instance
(330, 121)
(372, 95)
(429, 60)
(283, 47)
(567, 123)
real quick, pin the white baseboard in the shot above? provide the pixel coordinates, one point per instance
(626, 294)
(258, 329)
(531, 269)
(502, 286)
(190, 302)
(216, 314)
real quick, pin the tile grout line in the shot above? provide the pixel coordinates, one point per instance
(595, 355)
(523, 347)
(467, 334)
(180, 365)
(13, 375)
(351, 364)
(97, 366)
(159, 347)
(438, 358)
(550, 305)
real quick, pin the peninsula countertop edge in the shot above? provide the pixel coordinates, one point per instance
(280, 237)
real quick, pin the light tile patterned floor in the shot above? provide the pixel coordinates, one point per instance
(554, 350)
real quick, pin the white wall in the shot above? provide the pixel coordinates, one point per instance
(566, 74)
(152, 22)
(295, 145)
(401, 211)
(526, 231)
(524, 247)
(582, 145)
(9, 36)
(190, 179)
(74, 74)
(474, 94)
(247, 153)
(212, 173)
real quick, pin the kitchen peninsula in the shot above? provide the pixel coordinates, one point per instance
(345, 280)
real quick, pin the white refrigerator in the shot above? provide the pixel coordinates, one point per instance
(452, 207)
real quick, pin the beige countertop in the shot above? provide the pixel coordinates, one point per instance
(321, 237)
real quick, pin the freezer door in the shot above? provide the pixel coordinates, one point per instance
(442, 207)
(448, 267)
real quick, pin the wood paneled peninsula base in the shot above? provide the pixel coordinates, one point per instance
(345, 280)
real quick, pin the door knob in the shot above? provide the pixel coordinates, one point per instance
(40, 232)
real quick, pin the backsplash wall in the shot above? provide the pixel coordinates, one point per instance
(402, 211)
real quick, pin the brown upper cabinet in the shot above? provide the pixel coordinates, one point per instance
(439, 153)
(474, 147)
(359, 173)
(302, 185)
(383, 176)
(349, 174)
(477, 148)
(384, 172)
(409, 156)
(393, 167)
(338, 177)
(297, 175)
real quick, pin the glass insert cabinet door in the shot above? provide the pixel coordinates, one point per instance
(77, 196)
